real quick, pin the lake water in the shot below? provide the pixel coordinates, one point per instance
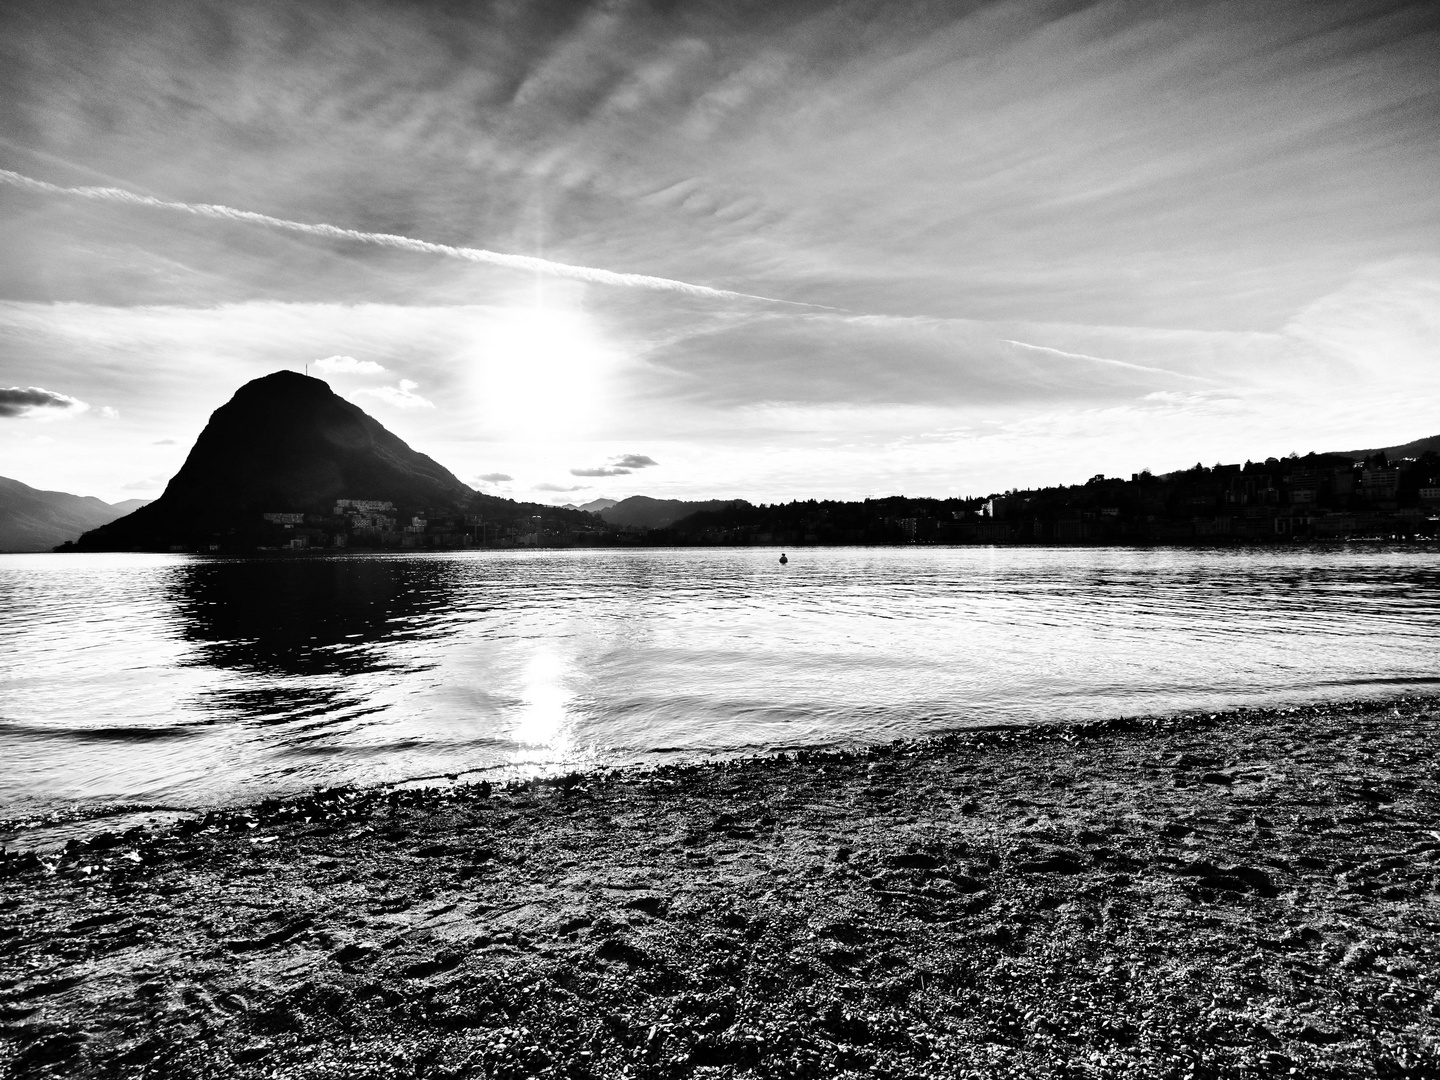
(188, 681)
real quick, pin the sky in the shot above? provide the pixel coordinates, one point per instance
(723, 249)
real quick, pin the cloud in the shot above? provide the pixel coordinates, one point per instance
(1075, 177)
(530, 263)
(148, 484)
(109, 412)
(559, 487)
(623, 465)
(1104, 360)
(347, 365)
(494, 478)
(164, 442)
(402, 396)
(25, 400)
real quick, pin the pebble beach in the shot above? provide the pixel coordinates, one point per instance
(1243, 894)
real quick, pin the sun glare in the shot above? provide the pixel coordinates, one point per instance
(542, 371)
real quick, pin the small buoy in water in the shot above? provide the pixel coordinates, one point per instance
(783, 559)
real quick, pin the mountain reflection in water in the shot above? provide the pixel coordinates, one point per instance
(190, 681)
(305, 629)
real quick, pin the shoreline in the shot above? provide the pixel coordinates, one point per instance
(1215, 543)
(1237, 893)
(78, 815)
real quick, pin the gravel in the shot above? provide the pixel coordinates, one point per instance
(1254, 893)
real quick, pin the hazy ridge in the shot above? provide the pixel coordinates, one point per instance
(36, 520)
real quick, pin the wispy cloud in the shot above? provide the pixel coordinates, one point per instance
(494, 478)
(1105, 360)
(347, 365)
(402, 396)
(561, 487)
(528, 263)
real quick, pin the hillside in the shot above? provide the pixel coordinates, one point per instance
(36, 520)
(1404, 450)
(284, 443)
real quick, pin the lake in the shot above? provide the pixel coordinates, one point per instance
(185, 681)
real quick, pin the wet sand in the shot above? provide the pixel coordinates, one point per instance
(1249, 894)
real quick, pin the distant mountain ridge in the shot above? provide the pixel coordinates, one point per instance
(594, 506)
(36, 520)
(643, 512)
(285, 443)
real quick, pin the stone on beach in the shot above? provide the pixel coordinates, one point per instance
(858, 913)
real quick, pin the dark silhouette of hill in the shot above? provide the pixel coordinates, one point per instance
(1404, 450)
(643, 512)
(35, 520)
(285, 443)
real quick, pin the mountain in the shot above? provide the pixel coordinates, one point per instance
(594, 506)
(285, 443)
(1404, 450)
(34, 520)
(642, 512)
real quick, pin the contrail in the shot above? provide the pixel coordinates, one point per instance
(391, 240)
(1106, 360)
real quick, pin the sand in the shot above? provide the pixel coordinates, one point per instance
(1249, 894)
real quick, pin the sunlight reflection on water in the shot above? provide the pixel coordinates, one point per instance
(545, 705)
(191, 680)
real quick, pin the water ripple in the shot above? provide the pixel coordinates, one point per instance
(199, 680)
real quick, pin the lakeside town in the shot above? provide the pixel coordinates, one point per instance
(1315, 497)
